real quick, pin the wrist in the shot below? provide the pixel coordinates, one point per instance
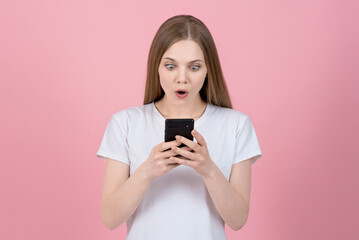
(143, 174)
(212, 172)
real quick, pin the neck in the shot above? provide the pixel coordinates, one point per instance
(169, 109)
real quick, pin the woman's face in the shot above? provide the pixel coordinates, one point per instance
(182, 67)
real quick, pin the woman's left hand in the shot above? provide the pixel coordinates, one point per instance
(199, 160)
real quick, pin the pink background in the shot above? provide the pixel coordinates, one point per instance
(67, 66)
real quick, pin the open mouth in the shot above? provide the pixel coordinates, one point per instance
(181, 93)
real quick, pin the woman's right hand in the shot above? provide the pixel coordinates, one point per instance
(158, 162)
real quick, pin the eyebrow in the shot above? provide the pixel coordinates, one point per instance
(190, 61)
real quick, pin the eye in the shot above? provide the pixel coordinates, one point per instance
(196, 67)
(169, 66)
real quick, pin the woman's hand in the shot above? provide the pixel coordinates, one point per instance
(158, 162)
(199, 159)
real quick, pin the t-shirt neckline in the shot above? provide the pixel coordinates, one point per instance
(197, 122)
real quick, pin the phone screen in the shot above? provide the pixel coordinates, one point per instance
(179, 126)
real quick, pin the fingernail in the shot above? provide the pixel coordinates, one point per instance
(178, 137)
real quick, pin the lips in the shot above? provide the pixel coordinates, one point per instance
(181, 93)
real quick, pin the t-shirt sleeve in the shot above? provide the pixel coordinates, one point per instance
(247, 145)
(114, 143)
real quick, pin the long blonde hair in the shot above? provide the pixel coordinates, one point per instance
(186, 27)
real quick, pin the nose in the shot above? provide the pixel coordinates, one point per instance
(182, 76)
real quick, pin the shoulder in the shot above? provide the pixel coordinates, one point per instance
(228, 114)
(132, 113)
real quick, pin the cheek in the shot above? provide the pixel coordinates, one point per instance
(200, 80)
(163, 73)
(164, 79)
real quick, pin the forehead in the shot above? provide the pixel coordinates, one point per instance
(184, 50)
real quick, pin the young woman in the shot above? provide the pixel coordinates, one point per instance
(190, 196)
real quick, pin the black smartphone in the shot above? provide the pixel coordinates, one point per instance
(178, 126)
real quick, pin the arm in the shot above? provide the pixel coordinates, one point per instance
(231, 199)
(121, 194)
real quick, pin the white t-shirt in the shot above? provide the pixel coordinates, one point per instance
(177, 205)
